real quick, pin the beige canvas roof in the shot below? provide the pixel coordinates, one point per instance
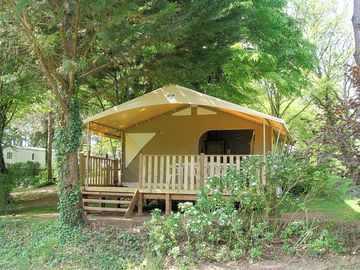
(168, 99)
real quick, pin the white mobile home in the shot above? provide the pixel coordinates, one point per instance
(23, 154)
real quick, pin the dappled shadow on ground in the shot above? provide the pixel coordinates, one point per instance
(134, 224)
(34, 201)
(298, 263)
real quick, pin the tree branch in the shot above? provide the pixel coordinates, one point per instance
(95, 70)
(96, 94)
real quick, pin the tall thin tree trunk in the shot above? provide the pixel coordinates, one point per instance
(3, 120)
(49, 147)
(3, 169)
(356, 27)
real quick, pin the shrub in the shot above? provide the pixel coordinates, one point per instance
(244, 224)
(25, 173)
(326, 242)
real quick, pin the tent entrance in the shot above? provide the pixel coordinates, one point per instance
(227, 142)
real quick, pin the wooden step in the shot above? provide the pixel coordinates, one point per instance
(109, 189)
(105, 201)
(95, 193)
(105, 209)
(134, 200)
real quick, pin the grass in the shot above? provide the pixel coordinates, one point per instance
(34, 243)
(338, 205)
(31, 242)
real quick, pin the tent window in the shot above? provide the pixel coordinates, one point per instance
(226, 142)
(32, 156)
(9, 155)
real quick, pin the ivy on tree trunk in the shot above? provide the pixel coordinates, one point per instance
(67, 142)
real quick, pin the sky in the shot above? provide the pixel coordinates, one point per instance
(348, 5)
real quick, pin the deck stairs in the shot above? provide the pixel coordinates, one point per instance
(120, 202)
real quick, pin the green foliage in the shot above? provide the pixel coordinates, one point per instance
(220, 229)
(67, 142)
(69, 206)
(25, 174)
(45, 244)
(326, 242)
(67, 137)
(297, 173)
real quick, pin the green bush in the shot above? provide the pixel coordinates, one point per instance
(243, 225)
(297, 173)
(26, 174)
(326, 242)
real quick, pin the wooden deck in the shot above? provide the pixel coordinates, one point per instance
(161, 177)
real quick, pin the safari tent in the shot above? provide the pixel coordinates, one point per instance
(173, 139)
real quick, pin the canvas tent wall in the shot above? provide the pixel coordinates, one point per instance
(171, 120)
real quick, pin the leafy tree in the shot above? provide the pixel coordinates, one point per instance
(325, 24)
(356, 27)
(76, 43)
(339, 134)
(269, 68)
(16, 93)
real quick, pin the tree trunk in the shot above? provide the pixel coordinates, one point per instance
(3, 121)
(67, 140)
(5, 182)
(3, 169)
(49, 147)
(356, 27)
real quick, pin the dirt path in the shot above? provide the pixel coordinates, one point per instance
(42, 199)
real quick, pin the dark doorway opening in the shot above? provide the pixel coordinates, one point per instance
(227, 142)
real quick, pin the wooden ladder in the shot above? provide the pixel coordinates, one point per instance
(123, 202)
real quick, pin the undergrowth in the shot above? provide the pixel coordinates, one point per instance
(31, 243)
(246, 224)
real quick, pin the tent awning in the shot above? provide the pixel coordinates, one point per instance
(169, 99)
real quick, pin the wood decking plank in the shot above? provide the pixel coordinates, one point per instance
(105, 201)
(104, 209)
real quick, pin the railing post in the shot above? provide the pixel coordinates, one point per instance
(141, 180)
(107, 173)
(88, 156)
(116, 172)
(82, 166)
(202, 170)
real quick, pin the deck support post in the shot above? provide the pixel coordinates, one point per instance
(88, 155)
(116, 172)
(140, 204)
(123, 164)
(168, 204)
(264, 138)
(102, 204)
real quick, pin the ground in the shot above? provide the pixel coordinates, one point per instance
(34, 217)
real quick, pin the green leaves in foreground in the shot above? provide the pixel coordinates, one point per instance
(38, 244)
(244, 225)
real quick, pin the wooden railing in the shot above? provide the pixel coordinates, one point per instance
(183, 172)
(99, 171)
